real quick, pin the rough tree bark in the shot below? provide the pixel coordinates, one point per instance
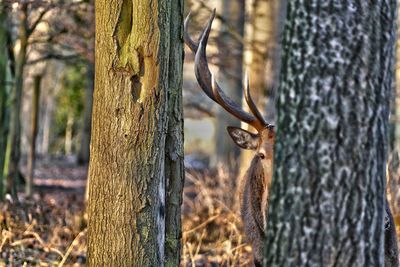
(136, 150)
(33, 133)
(174, 154)
(327, 203)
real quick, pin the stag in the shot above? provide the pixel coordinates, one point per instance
(257, 181)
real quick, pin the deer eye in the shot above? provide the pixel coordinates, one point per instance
(261, 155)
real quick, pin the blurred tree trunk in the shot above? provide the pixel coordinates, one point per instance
(134, 157)
(69, 133)
(3, 93)
(33, 133)
(14, 135)
(230, 54)
(263, 40)
(84, 150)
(327, 203)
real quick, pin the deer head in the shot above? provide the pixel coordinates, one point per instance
(263, 140)
(256, 183)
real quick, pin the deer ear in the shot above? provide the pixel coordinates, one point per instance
(243, 138)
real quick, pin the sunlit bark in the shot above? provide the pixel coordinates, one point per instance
(136, 151)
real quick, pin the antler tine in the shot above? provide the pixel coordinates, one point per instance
(249, 100)
(212, 89)
(188, 40)
(208, 84)
(232, 107)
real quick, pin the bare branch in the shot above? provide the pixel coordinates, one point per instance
(53, 56)
(39, 19)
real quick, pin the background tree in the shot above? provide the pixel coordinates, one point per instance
(28, 43)
(3, 90)
(136, 153)
(33, 135)
(14, 135)
(230, 72)
(263, 46)
(327, 203)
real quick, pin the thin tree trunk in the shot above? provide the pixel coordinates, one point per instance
(54, 72)
(14, 136)
(34, 130)
(128, 171)
(3, 93)
(174, 168)
(68, 133)
(84, 150)
(47, 122)
(230, 76)
(327, 203)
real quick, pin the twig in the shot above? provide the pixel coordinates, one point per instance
(6, 236)
(69, 250)
(202, 224)
(20, 242)
(53, 56)
(38, 238)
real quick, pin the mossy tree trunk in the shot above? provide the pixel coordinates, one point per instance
(136, 164)
(327, 202)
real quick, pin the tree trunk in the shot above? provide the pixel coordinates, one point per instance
(3, 93)
(230, 76)
(84, 150)
(327, 202)
(14, 135)
(68, 133)
(34, 130)
(174, 167)
(132, 159)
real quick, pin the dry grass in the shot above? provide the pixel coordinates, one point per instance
(212, 228)
(49, 231)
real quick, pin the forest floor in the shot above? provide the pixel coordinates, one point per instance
(50, 228)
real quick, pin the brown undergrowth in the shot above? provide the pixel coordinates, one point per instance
(212, 228)
(50, 229)
(46, 231)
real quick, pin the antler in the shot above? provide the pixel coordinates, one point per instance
(208, 84)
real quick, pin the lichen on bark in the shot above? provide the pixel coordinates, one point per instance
(327, 199)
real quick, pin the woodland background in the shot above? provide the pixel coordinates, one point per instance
(47, 80)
